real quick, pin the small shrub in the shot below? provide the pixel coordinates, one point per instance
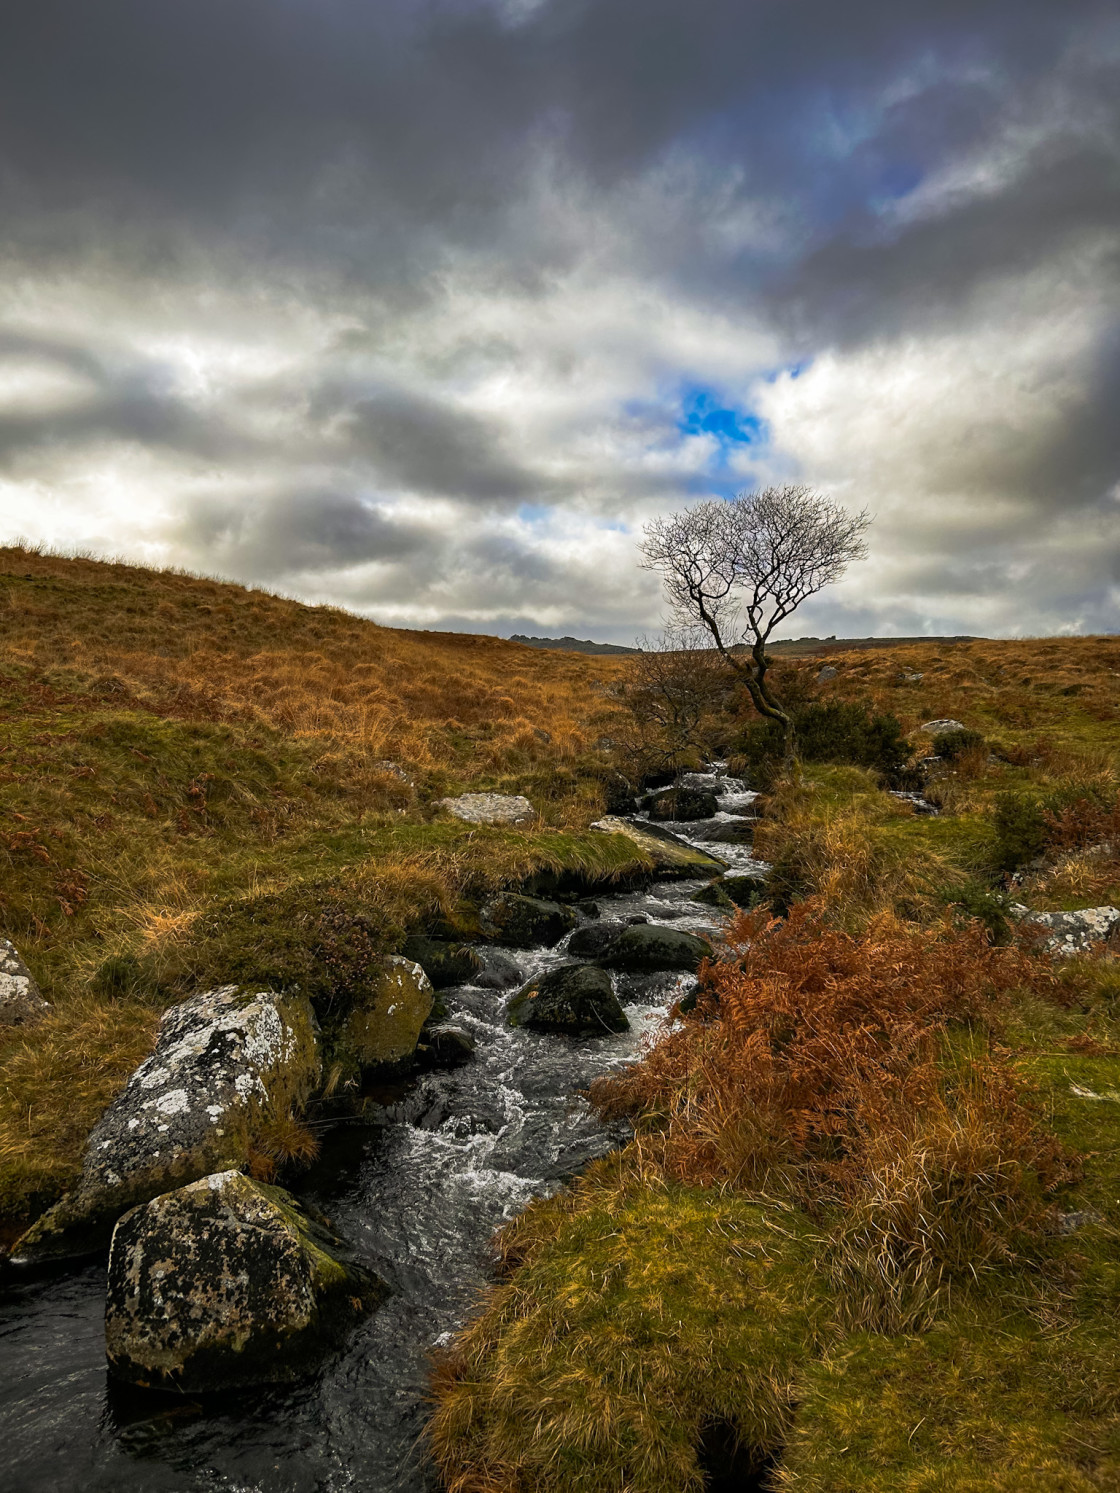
(1020, 827)
(954, 744)
(988, 907)
(828, 731)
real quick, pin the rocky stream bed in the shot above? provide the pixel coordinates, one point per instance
(417, 1188)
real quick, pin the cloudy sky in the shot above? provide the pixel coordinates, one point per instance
(424, 307)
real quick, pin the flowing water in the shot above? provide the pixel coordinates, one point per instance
(419, 1194)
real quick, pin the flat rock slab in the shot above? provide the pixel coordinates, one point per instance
(668, 854)
(226, 1283)
(21, 1002)
(224, 1061)
(939, 728)
(490, 808)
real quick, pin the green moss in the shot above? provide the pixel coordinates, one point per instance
(979, 1403)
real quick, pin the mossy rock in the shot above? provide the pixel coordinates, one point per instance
(745, 891)
(382, 1027)
(227, 1283)
(713, 895)
(526, 922)
(576, 999)
(648, 948)
(446, 963)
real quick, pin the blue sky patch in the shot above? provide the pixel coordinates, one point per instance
(705, 412)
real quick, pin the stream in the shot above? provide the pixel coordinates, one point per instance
(419, 1194)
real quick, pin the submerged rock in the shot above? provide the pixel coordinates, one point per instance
(577, 999)
(668, 854)
(224, 1063)
(225, 1283)
(21, 1002)
(383, 1024)
(526, 922)
(646, 948)
(490, 808)
(445, 963)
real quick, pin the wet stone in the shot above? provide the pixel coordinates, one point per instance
(226, 1283)
(576, 999)
(526, 922)
(648, 948)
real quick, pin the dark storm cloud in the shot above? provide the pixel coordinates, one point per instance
(462, 255)
(290, 533)
(430, 447)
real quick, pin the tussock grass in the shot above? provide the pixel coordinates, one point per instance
(637, 1315)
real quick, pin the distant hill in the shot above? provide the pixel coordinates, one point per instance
(810, 647)
(572, 645)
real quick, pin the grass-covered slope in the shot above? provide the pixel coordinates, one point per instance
(892, 1120)
(200, 782)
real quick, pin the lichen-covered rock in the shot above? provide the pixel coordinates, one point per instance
(445, 963)
(1078, 932)
(526, 922)
(941, 727)
(224, 1063)
(225, 1283)
(490, 808)
(21, 1003)
(668, 856)
(576, 999)
(646, 948)
(383, 1024)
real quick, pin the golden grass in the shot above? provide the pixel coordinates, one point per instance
(207, 650)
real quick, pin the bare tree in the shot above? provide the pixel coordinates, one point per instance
(675, 688)
(740, 568)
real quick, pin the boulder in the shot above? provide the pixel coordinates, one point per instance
(938, 728)
(1078, 932)
(826, 673)
(21, 1003)
(382, 1026)
(745, 890)
(226, 1283)
(490, 808)
(589, 943)
(224, 1063)
(444, 962)
(646, 948)
(667, 854)
(525, 922)
(499, 971)
(576, 999)
(713, 895)
(447, 1046)
(684, 803)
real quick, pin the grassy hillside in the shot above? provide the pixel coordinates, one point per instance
(185, 764)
